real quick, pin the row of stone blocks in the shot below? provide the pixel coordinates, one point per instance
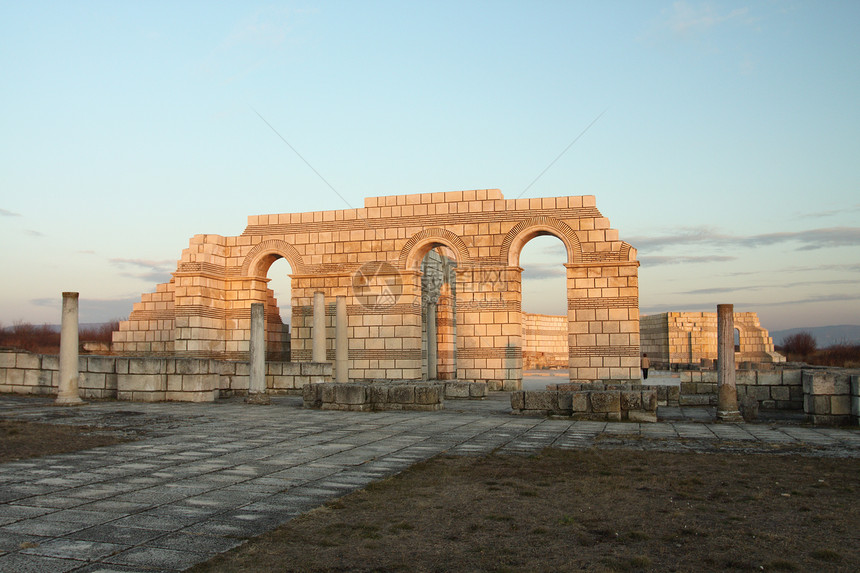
(666, 395)
(381, 395)
(151, 379)
(634, 405)
(770, 389)
(832, 397)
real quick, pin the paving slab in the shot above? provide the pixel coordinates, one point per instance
(202, 478)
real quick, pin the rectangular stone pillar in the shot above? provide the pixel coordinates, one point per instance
(727, 393)
(432, 343)
(257, 386)
(67, 394)
(341, 342)
(318, 352)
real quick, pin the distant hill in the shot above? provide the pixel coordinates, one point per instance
(824, 335)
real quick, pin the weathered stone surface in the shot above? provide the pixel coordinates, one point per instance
(606, 401)
(840, 405)
(579, 402)
(478, 390)
(641, 416)
(402, 394)
(631, 400)
(518, 400)
(428, 394)
(541, 400)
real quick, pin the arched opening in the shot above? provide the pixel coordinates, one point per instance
(278, 296)
(439, 314)
(737, 340)
(544, 311)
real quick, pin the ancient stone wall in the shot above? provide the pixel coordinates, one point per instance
(152, 379)
(373, 256)
(545, 341)
(688, 338)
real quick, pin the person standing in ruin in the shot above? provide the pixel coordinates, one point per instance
(646, 364)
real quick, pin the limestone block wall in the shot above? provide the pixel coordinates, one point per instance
(634, 404)
(545, 342)
(779, 389)
(152, 379)
(373, 257)
(828, 396)
(688, 338)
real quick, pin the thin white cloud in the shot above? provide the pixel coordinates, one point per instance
(153, 271)
(667, 260)
(809, 240)
(7, 213)
(94, 309)
(768, 286)
(33, 233)
(685, 19)
(831, 213)
(543, 271)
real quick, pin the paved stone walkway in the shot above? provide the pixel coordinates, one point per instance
(205, 477)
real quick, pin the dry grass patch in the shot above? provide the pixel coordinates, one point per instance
(595, 510)
(22, 440)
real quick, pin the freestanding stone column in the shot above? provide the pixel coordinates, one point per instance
(727, 393)
(257, 387)
(432, 354)
(318, 353)
(341, 350)
(67, 394)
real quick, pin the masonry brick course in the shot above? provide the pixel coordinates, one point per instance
(373, 255)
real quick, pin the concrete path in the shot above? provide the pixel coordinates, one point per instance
(205, 477)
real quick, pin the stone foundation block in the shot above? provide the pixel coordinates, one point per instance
(25, 360)
(541, 400)
(606, 401)
(404, 394)
(695, 400)
(639, 416)
(579, 402)
(426, 394)
(478, 390)
(840, 405)
(7, 359)
(631, 400)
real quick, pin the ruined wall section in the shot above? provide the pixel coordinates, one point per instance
(690, 337)
(545, 342)
(372, 256)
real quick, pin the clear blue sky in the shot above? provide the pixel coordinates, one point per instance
(727, 153)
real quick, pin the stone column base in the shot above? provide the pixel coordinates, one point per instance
(729, 416)
(260, 398)
(69, 400)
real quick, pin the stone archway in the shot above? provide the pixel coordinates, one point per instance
(218, 277)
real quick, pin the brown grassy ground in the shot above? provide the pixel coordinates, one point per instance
(594, 510)
(21, 440)
(591, 510)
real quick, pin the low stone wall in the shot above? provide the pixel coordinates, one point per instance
(633, 404)
(831, 397)
(374, 396)
(152, 379)
(456, 390)
(666, 395)
(779, 389)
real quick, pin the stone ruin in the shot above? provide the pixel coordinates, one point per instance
(679, 340)
(432, 284)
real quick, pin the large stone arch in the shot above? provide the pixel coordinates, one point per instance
(421, 243)
(218, 277)
(260, 258)
(524, 231)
